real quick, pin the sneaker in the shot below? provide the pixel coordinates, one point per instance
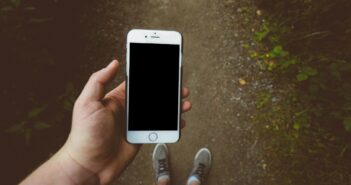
(201, 167)
(160, 162)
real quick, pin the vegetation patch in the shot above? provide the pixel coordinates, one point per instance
(305, 46)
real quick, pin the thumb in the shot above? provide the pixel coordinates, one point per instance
(118, 93)
(94, 89)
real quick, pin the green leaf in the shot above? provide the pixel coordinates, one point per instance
(263, 99)
(347, 123)
(40, 20)
(334, 71)
(301, 77)
(35, 112)
(297, 126)
(274, 39)
(67, 105)
(16, 2)
(309, 71)
(278, 51)
(297, 114)
(30, 8)
(16, 129)
(260, 35)
(305, 73)
(246, 46)
(41, 125)
(286, 63)
(271, 66)
(6, 8)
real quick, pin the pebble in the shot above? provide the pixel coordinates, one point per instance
(274, 99)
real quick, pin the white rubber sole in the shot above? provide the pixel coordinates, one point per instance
(204, 150)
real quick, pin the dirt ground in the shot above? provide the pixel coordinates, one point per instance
(214, 61)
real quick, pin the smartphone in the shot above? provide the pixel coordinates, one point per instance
(153, 86)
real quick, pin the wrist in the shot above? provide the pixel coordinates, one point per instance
(73, 171)
(61, 169)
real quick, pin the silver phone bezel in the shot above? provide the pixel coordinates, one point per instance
(156, 37)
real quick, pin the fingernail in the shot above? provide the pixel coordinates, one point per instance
(112, 63)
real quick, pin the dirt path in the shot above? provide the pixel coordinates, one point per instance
(214, 61)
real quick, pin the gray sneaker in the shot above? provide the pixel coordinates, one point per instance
(202, 165)
(160, 161)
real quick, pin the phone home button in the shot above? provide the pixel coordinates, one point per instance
(153, 136)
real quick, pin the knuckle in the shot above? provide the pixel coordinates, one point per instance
(93, 76)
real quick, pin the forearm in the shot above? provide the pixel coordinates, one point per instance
(61, 169)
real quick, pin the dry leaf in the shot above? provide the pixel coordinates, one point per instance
(242, 81)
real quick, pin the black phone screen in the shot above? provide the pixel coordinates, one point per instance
(153, 87)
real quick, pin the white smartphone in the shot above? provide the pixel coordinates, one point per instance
(153, 88)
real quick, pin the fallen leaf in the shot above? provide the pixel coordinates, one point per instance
(242, 81)
(264, 166)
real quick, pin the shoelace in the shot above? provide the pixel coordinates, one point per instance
(162, 166)
(200, 170)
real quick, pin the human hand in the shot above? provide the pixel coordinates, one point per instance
(97, 139)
